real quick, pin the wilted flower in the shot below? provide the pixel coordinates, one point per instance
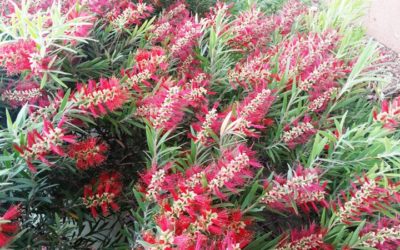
(103, 192)
(88, 153)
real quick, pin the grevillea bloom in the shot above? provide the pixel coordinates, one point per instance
(88, 153)
(24, 92)
(383, 235)
(307, 239)
(252, 110)
(102, 193)
(231, 169)
(8, 227)
(251, 29)
(21, 55)
(303, 189)
(367, 198)
(298, 132)
(39, 145)
(100, 98)
(389, 114)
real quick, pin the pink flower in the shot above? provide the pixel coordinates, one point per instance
(164, 109)
(100, 98)
(252, 72)
(286, 17)
(126, 13)
(24, 92)
(251, 30)
(381, 235)
(298, 132)
(21, 55)
(307, 239)
(102, 193)
(8, 227)
(253, 109)
(321, 94)
(185, 38)
(303, 189)
(88, 153)
(208, 124)
(39, 145)
(389, 114)
(367, 198)
(231, 170)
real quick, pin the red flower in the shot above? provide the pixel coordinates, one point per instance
(307, 239)
(184, 39)
(107, 95)
(389, 114)
(303, 189)
(18, 56)
(24, 92)
(231, 170)
(381, 235)
(286, 17)
(367, 198)
(103, 192)
(251, 30)
(298, 132)
(39, 145)
(252, 110)
(88, 153)
(127, 13)
(7, 227)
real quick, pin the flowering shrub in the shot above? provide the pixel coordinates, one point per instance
(149, 125)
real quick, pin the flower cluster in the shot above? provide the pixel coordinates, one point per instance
(287, 16)
(252, 71)
(127, 13)
(103, 192)
(39, 145)
(252, 110)
(184, 40)
(303, 189)
(307, 239)
(88, 153)
(251, 30)
(8, 227)
(188, 217)
(389, 114)
(24, 92)
(383, 235)
(231, 169)
(209, 123)
(21, 55)
(100, 98)
(165, 109)
(298, 132)
(368, 198)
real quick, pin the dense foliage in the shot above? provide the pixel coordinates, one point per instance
(199, 125)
